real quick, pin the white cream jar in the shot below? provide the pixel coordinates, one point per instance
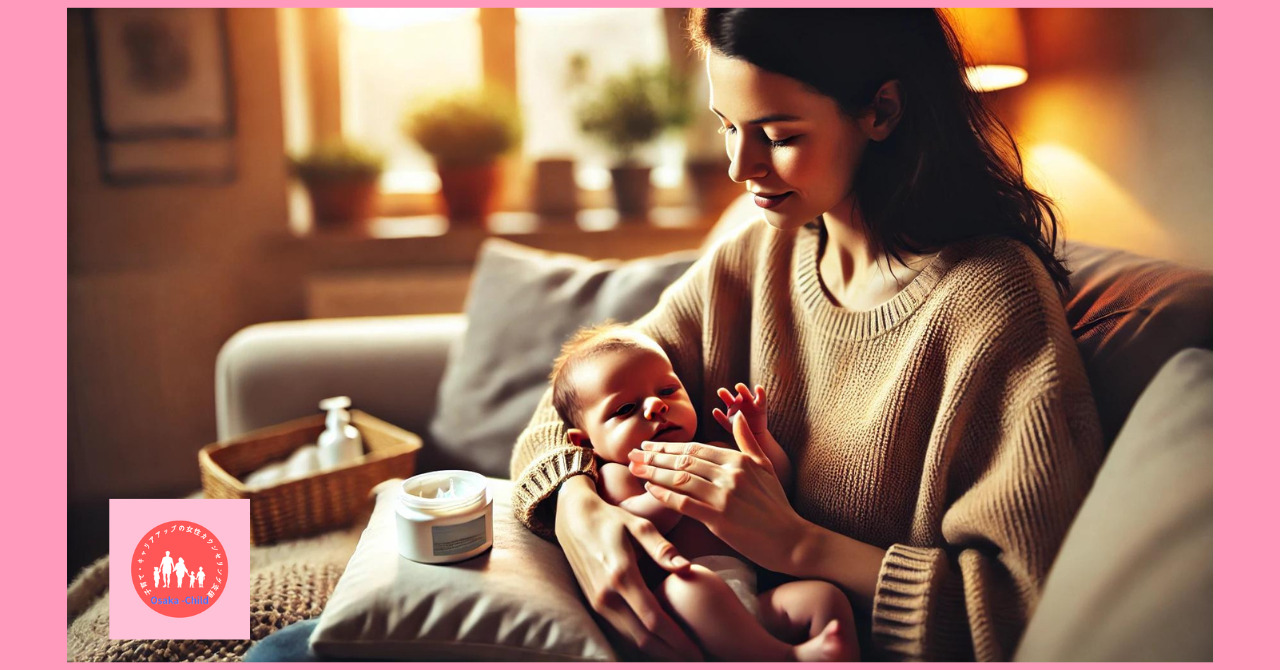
(444, 516)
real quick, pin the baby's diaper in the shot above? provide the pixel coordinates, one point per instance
(739, 575)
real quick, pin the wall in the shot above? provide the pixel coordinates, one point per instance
(159, 278)
(1116, 121)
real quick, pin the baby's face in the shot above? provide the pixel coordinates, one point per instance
(629, 396)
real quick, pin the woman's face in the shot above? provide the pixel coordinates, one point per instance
(789, 145)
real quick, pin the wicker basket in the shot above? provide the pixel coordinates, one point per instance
(312, 504)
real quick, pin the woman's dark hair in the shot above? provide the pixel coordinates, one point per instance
(950, 170)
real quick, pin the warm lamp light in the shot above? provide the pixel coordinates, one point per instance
(992, 39)
(1094, 207)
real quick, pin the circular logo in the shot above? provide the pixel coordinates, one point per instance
(179, 569)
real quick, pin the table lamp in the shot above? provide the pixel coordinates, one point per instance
(992, 39)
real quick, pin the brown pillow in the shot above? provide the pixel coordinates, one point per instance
(1129, 315)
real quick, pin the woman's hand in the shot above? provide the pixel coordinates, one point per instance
(597, 539)
(734, 493)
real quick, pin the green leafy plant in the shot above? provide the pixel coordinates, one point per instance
(465, 128)
(629, 110)
(340, 160)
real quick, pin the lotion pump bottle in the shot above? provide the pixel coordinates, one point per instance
(340, 443)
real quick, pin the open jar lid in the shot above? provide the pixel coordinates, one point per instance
(444, 492)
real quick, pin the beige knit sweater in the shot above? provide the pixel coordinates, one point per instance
(952, 426)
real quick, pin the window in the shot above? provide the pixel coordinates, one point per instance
(385, 58)
(388, 58)
(546, 40)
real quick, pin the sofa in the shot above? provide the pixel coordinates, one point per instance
(1133, 580)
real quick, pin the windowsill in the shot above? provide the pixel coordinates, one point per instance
(435, 241)
(518, 223)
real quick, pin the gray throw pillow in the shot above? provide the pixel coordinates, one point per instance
(515, 602)
(523, 304)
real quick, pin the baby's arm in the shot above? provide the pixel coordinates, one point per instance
(753, 409)
(619, 487)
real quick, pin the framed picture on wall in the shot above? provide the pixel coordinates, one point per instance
(163, 96)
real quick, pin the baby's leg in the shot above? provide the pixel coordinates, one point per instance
(726, 630)
(815, 611)
(720, 623)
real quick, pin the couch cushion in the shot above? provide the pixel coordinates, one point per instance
(522, 305)
(517, 601)
(1134, 578)
(1129, 315)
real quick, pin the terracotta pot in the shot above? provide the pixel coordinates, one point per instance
(631, 191)
(555, 191)
(342, 201)
(712, 188)
(468, 191)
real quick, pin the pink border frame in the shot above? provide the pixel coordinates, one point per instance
(34, 54)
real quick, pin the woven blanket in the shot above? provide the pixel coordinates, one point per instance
(289, 582)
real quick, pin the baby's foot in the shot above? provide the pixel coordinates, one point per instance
(829, 645)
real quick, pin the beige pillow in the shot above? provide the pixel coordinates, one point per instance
(518, 601)
(1134, 578)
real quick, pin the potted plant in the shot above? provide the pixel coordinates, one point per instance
(341, 179)
(626, 113)
(465, 133)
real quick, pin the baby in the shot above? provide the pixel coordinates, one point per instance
(615, 388)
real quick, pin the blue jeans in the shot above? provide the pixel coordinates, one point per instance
(291, 643)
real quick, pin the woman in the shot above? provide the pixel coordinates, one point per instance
(901, 303)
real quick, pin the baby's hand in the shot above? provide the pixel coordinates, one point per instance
(752, 408)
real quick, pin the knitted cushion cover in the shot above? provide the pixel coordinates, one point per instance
(289, 582)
